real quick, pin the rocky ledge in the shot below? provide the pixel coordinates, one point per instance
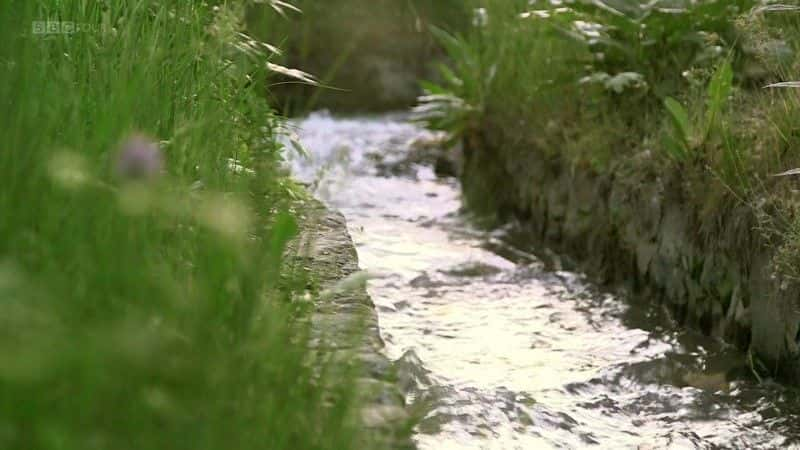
(345, 322)
(639, 230)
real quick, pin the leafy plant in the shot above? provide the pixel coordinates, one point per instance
(679, 142)
(719, 91)
(686, 136)
(457, 100)
(657, 40)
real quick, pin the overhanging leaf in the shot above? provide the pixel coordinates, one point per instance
(784, 84)
(293, 73)
(787, 173)
(280, 6)
(777, 7)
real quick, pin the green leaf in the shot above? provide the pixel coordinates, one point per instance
(719, 89)
(720, 86)
(432, 88)
(679, 118)
(454, 47)
(676, 149)
(449, 76)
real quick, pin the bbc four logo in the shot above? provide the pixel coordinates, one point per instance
(53, 27)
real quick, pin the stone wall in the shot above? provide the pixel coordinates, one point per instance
(345, 322)
(633, 227)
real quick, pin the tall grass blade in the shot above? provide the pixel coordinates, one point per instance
(719, 89)
(784, 84)
(788, 173)
(777, 7)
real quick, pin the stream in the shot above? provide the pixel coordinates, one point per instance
(502, 351)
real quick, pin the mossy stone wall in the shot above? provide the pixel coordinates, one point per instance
(632, 226)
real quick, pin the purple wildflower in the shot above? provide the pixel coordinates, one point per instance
(139, 158)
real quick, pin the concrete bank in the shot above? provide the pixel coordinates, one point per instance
(345, 322)
(634, 227)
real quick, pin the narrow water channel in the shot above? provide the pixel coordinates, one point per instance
(503, 353)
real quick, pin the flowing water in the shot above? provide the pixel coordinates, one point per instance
(500, 351)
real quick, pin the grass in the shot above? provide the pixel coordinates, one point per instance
(149, 311)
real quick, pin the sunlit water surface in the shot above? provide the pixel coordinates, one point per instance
(502, 353)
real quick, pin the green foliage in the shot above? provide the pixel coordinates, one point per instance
(657, 40)
(687, 136)
(456, 102)
(719, 90)
(679, 143)
(632, 61)
(499, 63)
(635, 52)
(151, 313)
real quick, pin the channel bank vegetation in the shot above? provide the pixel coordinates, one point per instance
(144, 220)
(691, 103)
(608, 64)
(701, 91)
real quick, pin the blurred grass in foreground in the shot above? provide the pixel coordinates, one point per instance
(140, 307)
